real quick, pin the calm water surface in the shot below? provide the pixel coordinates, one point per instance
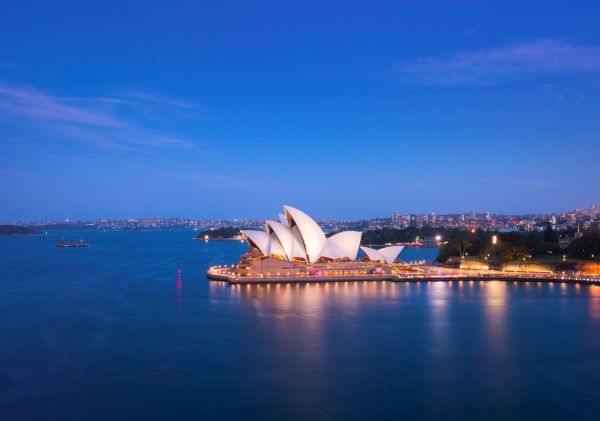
(109, 332)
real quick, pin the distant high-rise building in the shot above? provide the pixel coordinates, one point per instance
(413, 221)
(396, 222)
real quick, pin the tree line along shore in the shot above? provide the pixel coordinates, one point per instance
(17, 230)
(547, 245)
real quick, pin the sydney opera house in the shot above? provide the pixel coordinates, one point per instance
(295, 249)
(294, 246)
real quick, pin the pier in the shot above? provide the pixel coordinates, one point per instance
(422, 273)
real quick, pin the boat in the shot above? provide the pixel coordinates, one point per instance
(64, 243)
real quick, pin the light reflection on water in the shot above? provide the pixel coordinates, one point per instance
(446, 332)
(495, 295)
(595, 301)
(87, 331)
(315, 304)
(312, 298)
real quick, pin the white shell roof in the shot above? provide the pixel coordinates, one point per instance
(331, 251)
(372, 254)
(390, 253)
(312, 235)
(276, 248)
(297, 235)
(386, 254)
(259, 239)
(283, 219)
(284, 234)
(299, 250)
(348, 242)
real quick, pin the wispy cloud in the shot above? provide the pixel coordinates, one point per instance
(146, 98)
(151, 105)
(541, 58)
(175, 164)
(34, 105)
(108, 121)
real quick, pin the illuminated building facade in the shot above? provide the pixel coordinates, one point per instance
(296, 245)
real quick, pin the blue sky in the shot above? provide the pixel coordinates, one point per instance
(344, 109)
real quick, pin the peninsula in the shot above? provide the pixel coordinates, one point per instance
(295, 249)
(17, 230)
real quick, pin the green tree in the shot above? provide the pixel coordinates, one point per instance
(461, 243)
(549, 234)
(584, 247)
(535, 243)
(515, 252)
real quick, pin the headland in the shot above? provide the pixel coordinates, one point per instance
(294, 249)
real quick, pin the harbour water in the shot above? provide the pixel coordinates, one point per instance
(130, 328)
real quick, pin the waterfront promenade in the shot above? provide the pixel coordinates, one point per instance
(423, 272)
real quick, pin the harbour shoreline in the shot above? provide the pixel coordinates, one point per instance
(225, 275)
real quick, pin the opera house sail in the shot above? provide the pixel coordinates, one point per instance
(295, 245)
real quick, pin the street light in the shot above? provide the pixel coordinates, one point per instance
(494, 242)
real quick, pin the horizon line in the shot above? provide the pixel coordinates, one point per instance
(72, 220)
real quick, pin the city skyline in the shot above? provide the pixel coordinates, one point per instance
(591, 208)
(217, 111)
(584, 218)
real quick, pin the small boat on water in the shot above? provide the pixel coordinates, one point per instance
(65, 243)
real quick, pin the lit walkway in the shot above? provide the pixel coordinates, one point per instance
(427, 273)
